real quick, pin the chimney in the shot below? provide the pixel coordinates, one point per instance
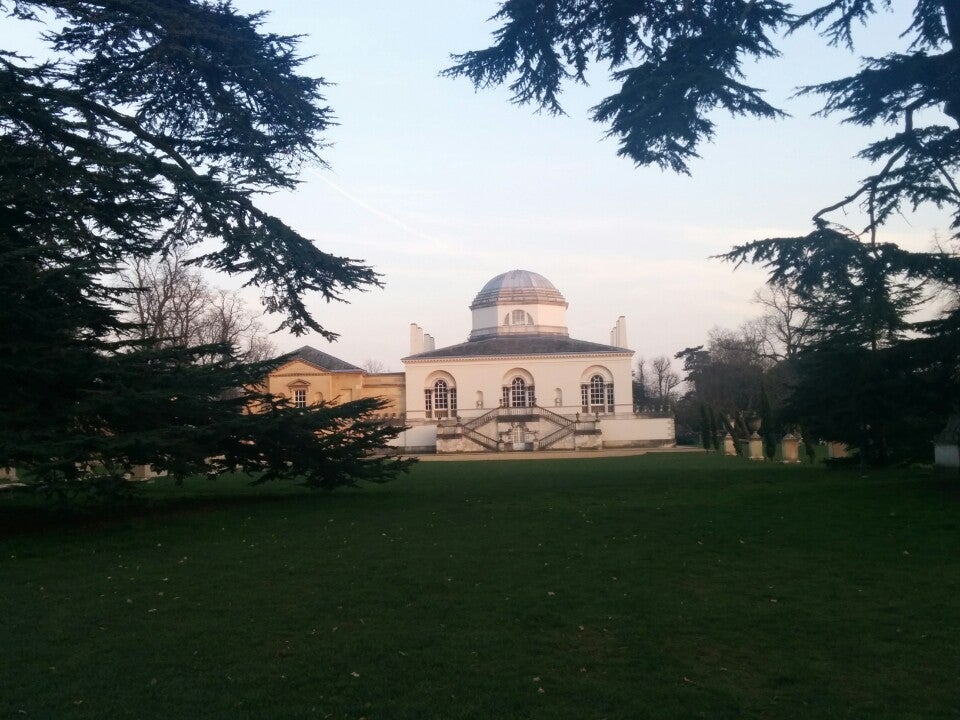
(618, 336)
(429, 343)
(416, 339)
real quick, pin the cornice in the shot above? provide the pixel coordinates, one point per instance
(541, 356)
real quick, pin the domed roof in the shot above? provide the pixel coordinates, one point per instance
(518, 287)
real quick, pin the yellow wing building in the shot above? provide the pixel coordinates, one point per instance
(311, 376)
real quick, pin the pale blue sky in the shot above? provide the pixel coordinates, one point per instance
(441, 188)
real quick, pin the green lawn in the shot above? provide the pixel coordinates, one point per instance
(660, 586)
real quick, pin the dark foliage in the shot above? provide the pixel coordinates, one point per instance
(675, 62)
(724, 376)
(152, 127)
(704, 428)
(714, 430)
(866, 373)
(768, 430)
(679, 63)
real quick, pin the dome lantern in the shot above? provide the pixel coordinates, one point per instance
(519, 302)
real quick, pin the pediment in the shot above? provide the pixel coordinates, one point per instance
(300, 367)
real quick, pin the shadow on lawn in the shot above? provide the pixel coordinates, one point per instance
(25, 512)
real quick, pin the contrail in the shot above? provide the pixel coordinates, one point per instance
(372, 210)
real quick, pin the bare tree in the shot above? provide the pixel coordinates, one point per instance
(743, 346)
(664, 378)
(641, 384)
(731, 374)
(258, 347)
(172, 304)
(780, 330)
(373, 367)
(726, 375)
(167, 298)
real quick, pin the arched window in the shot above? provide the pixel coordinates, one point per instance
(441, 397)
(598, 391)
(521, 317)
(596, 396)
(519, 394)
(440, 401)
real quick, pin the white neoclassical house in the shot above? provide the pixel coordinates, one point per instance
(520, 382)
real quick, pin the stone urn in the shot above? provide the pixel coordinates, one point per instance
(729, 448)
(790, 448)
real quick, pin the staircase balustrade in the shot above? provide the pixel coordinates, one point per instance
(481, 439)
(471, 428)
(556, 436)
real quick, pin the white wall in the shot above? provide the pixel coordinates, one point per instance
(946, 455)
(625, 431)
(488, 375)
(546, 319)
(421, 436)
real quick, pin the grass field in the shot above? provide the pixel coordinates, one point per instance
(655, 586)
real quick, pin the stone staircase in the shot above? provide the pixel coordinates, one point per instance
(473, 429)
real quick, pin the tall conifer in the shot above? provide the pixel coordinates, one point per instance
(155, 124)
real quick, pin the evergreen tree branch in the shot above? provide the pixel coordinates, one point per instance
(870, 185)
